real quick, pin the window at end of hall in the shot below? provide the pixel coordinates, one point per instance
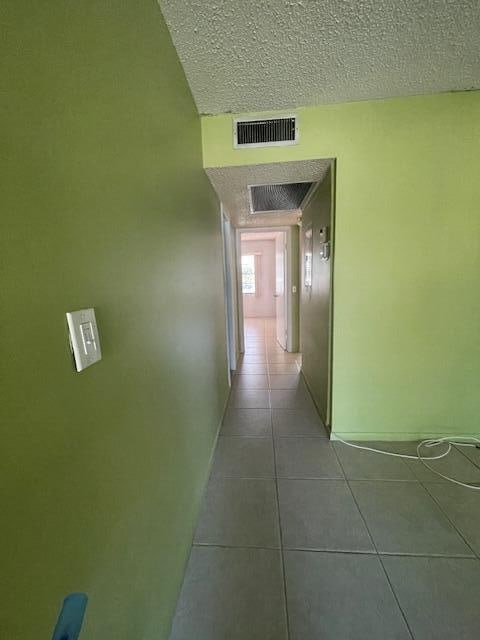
(248, 274)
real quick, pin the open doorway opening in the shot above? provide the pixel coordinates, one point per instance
(282, 229)
(269, 294)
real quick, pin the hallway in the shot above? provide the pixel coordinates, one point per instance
(303, 539)
(143, 448)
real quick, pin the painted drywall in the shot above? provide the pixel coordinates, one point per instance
(316, 297)
(104, 204)
(261, 304)
(406, 341)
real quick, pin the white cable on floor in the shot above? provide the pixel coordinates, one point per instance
(461, 441)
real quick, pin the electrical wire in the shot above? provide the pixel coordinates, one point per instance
(459, 441)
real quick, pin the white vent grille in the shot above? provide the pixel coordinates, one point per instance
(266, 132)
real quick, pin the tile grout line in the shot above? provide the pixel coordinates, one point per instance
(437, 503)
(280, 533)
(376, 548)
(235, 546)
(460, 450)
(279, 518)
(345, 552)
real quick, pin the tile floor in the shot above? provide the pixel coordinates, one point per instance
(303, 539)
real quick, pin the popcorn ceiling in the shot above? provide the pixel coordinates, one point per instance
(260, 55)
(231, 185)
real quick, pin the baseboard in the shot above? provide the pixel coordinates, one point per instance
(389, 436)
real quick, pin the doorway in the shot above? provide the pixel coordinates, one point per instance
(268, 284)
(297, 316)
(230, 297)
(316, 299)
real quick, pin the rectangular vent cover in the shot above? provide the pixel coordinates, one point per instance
(267, 132)
(278, 197)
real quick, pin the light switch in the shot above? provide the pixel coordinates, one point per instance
(84, 340)
(88, 338)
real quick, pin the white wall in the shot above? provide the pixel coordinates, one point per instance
(262, 304)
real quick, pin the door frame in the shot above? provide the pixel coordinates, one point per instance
(289, 283)
(282, 235)
(230, 291)
(333, 219)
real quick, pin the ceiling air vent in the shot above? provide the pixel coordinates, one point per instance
(266, 132)
(270, 198)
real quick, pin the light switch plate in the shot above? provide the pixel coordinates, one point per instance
(84, 339)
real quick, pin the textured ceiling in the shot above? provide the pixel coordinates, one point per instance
(254, 55)
(260, 235)
(231, 185)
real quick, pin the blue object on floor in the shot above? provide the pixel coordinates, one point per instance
(70, 619)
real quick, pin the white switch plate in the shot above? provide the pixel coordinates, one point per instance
(84, 339)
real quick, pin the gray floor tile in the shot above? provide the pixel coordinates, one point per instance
(462, 506)
(243, 458)
(439, 596)
(249, 368)
(295, 422)
(249, 358)
(247, 422)
(271, 343)
(249, 399)
(306, 457)
(403, 518)
(285, 357)
(231, 594)
(239, 513)
(286, 381)
(275, 348)
(359, 464)
(251, 381)
(275, 368)
(455, 465)
(340, 596)
(403, 446)
(322, 515)
(472, 453)
(291, 399)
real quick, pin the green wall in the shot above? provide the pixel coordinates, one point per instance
(104, 204)
(406, 343)
(316, 300)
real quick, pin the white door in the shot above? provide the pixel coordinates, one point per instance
(280, 250)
